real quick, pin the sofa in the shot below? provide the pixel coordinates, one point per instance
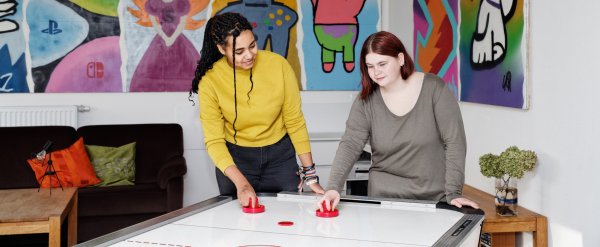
(159, 170)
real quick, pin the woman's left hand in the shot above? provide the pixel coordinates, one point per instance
(461, 201)
(316, 187)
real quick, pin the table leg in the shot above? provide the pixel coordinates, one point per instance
(72, 219)
(54, 232)
(540, 236)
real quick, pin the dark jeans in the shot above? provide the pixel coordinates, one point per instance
(270, 168)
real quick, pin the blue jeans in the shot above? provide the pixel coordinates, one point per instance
(270, 168)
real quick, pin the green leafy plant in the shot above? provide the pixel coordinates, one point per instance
(512, 163)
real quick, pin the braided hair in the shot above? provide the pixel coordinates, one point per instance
(218, 28)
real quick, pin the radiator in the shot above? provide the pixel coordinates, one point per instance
(11, 116)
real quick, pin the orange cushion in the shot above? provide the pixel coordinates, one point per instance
(72, 166)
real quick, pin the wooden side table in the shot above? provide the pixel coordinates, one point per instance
(26, 211)
(503, 228)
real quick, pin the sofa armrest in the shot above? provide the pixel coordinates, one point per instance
(175, 167)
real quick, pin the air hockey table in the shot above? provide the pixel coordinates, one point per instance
(362, 221)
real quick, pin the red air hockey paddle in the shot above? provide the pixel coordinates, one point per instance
(253, 210)
(327, 213)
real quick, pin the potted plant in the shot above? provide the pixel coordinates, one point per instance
(507, 167)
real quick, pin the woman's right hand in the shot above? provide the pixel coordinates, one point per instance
(245, 192)
(246, 195)
(331, 199)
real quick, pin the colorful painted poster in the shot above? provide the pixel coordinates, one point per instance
(334, 31)
(493, 52)
(77, 45)
(160, 38)
(436, 40)
(274, 24)
(13, 70)
(74, 46)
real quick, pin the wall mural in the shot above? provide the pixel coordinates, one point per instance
(272, 21)
(274, 24)
(13, 70)
(436, 39)
(493, 54)
(77, 45)
(169, 60)
(334, 31)
(74, 46)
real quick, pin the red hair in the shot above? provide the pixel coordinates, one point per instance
(382, 43)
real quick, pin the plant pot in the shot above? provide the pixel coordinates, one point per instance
(506, 196)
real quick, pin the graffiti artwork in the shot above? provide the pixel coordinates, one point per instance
(493, 52)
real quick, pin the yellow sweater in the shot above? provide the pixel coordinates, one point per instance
(272, 109)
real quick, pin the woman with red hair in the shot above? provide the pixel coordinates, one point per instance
(414, 127)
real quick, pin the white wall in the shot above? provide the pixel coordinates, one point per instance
(561, 124)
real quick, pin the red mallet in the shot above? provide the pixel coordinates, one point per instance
(327, 213)
(253, 210)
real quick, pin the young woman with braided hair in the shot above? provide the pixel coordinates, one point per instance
(251, 114)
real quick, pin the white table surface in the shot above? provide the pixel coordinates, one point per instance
(358, 224)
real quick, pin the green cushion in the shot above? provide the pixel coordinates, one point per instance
(113, 165)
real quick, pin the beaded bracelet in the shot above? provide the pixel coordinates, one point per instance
(308, 176)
